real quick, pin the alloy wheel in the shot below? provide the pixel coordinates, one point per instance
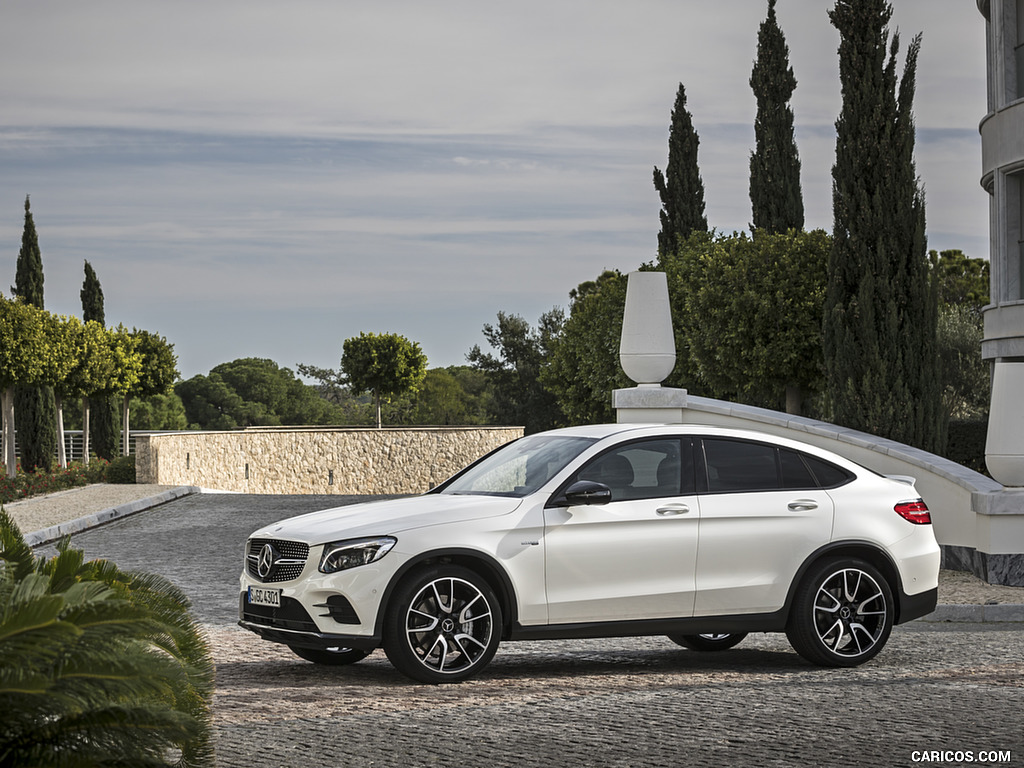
(850, 613)
(842, 614)
(443, 625)
(710, 641)
(449, 625)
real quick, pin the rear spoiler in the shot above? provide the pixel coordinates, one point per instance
(905, 479)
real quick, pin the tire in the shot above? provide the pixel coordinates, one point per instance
(443, 625)
(336, 657)
(709, 642)
(842, 615)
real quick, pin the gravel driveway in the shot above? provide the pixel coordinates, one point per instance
(633, 702)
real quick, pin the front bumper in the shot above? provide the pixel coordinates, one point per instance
(292, 625)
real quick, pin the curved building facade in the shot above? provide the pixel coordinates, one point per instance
(1002, 150)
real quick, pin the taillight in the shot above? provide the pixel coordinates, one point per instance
(914, 510)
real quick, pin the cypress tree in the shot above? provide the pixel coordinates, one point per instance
(35, 416)
(100, 415)
(92, 297)
(775, 196)
(879, 330)
(680, 186)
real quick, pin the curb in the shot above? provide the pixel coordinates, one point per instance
(976, 614)
(56, 532)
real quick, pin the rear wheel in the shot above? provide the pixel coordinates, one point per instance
(332, 657)
(443, 625)
(842, 615)
(718, 641)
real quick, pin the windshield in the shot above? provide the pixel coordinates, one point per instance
(520, 468)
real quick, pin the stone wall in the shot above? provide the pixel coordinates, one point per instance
(315, 460)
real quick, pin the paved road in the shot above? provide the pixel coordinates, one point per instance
(952, 692)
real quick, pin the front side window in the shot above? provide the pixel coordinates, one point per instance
(646, 469)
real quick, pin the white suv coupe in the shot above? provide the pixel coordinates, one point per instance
(699, 533)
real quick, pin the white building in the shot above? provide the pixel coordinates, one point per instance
(1002, 151)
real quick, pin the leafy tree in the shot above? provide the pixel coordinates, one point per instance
(329, 383)
(453, 395)
(157, 374)
(583, 366)
(128, 368)
(33, 404)
(252, 392)
(97, 666)
(518, 396)
(963, 287)
(211, 404)
(98, 412)
(22, 349)
(880, 308)
(345, 408)
(962, 280)
(749, 310)
(284, 398)
(64, 346)
(159, 412)
(680, 187)
(91, 375)
(775, 195)
(964, 375)
(384, 365)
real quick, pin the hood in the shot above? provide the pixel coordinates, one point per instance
(381, 518)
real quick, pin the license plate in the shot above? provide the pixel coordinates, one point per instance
(261, 596)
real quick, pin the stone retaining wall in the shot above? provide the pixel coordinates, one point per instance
(297, 460)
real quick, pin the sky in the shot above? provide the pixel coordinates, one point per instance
(255, 178)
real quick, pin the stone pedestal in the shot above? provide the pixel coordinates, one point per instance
(650, 404)
(1004, 449)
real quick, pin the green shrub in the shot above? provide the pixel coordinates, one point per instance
(122, 470)
(25, 484)
(98, 666)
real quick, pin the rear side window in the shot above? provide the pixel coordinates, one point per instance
(827, 474)
(736, 465)
(795, 473)
(741, 466)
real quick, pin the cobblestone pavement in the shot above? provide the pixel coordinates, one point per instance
(633, 702)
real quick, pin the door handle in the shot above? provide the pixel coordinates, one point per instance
(802, 505)
(670, 510)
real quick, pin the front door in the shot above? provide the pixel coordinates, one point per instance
(633, 558)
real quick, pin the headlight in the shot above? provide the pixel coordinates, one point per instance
(342, 555)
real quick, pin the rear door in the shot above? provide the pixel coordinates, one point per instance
(762, 514)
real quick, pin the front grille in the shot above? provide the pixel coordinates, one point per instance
(288, 557)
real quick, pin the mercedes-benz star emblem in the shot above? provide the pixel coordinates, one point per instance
(265, 563)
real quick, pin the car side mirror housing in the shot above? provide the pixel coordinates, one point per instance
(586, 492)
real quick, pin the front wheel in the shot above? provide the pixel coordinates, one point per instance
(331, 657)
(842, 615)
(718, 641)
(443, 625)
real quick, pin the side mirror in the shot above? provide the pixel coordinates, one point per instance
(585, 492)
